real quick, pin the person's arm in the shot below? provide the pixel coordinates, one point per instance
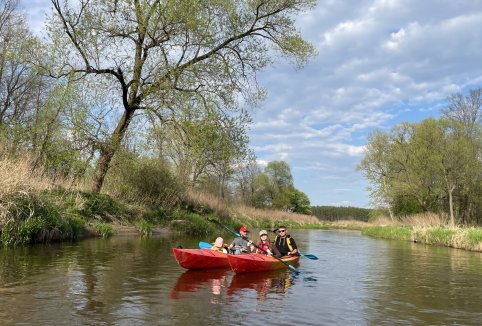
(231, 246)
(250, 246)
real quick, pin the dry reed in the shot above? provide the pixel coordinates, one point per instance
(425, 220)
(245, 214)
(17, 180)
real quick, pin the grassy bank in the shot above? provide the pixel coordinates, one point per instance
(428, 229)
(36, 209)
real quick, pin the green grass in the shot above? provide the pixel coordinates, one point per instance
(144, 227)
(389, 232)
(103, 229)
(461, 238)
(439, 236)
(474, 236)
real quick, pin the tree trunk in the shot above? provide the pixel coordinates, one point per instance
(451, 206)
(109, 148)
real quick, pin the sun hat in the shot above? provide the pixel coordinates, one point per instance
(263, 232)
(243, 229)
(219, 242)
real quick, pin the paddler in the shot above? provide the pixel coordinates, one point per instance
(242, 244)
(285, 243)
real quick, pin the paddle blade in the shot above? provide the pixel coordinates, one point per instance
(309, 256)
(294, 269)
(205, 245)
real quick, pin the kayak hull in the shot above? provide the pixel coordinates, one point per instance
(200, 258)
(259, 263)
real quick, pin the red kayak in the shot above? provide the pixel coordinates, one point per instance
(259, 262)
(200, 258)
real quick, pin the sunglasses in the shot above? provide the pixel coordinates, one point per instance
(281, 231)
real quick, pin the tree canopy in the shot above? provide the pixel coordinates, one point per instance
(433, 165)
(155, 56)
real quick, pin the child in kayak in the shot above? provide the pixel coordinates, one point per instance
(265, 246)
(219, 245)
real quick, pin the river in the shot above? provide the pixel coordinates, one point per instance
(357, 280)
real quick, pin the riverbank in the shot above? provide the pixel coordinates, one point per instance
(467, 238)
(58, 214)
(427, 228)
(55, 214)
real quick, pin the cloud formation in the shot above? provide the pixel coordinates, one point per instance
(379, 63)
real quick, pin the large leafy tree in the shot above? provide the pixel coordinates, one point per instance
(156, 55)
(200, 144)
(425, 166)
(274, 188)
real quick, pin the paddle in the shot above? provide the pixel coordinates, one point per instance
(309, 256)
(205, 245)
(237, 234)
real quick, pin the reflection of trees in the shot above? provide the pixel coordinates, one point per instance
(88, 281)
(263, 283)
(426, 285)
(17, 264)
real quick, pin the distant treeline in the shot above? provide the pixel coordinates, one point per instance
(334, 213)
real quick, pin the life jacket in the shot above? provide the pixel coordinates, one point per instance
(223, 249)
(263, 246)
(288, 241)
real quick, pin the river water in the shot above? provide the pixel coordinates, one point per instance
(136, 281)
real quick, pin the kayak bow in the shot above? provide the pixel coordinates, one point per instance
(200, 258)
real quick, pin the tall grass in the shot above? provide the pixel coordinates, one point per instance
(236, 215)
(429, 228)
(18, 183)
(424, 220)
(35, 208)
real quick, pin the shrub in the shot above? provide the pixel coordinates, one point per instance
(143, 180)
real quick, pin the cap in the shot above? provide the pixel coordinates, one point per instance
(243, 229)
(263, 232)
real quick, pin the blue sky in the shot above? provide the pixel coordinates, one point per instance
(379, 62)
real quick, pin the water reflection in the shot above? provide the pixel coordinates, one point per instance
(223, 284)
(195, 280)
(277, 282)
(423, 284)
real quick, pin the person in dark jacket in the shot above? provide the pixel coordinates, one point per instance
(285, 243)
